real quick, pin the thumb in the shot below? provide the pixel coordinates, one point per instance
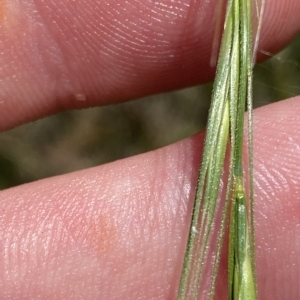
(118, 231)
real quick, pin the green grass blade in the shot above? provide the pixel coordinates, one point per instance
(232, 90)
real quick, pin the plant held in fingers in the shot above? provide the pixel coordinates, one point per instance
(232, 93)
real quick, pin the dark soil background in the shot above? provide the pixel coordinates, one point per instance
(75, 140)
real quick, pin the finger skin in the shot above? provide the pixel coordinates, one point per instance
(118, 231)
(58, 55)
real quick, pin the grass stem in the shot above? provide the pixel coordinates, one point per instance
(225, 129)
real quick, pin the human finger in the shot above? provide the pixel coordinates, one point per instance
(57, 55)
(118, 231)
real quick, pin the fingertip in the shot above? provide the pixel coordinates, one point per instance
(112, 53)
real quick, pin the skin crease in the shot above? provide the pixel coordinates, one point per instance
(118, 231)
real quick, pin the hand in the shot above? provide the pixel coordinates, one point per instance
(118, 231)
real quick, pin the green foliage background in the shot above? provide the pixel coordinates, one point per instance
(75, 140)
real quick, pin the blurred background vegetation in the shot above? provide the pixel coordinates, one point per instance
(75, 140)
